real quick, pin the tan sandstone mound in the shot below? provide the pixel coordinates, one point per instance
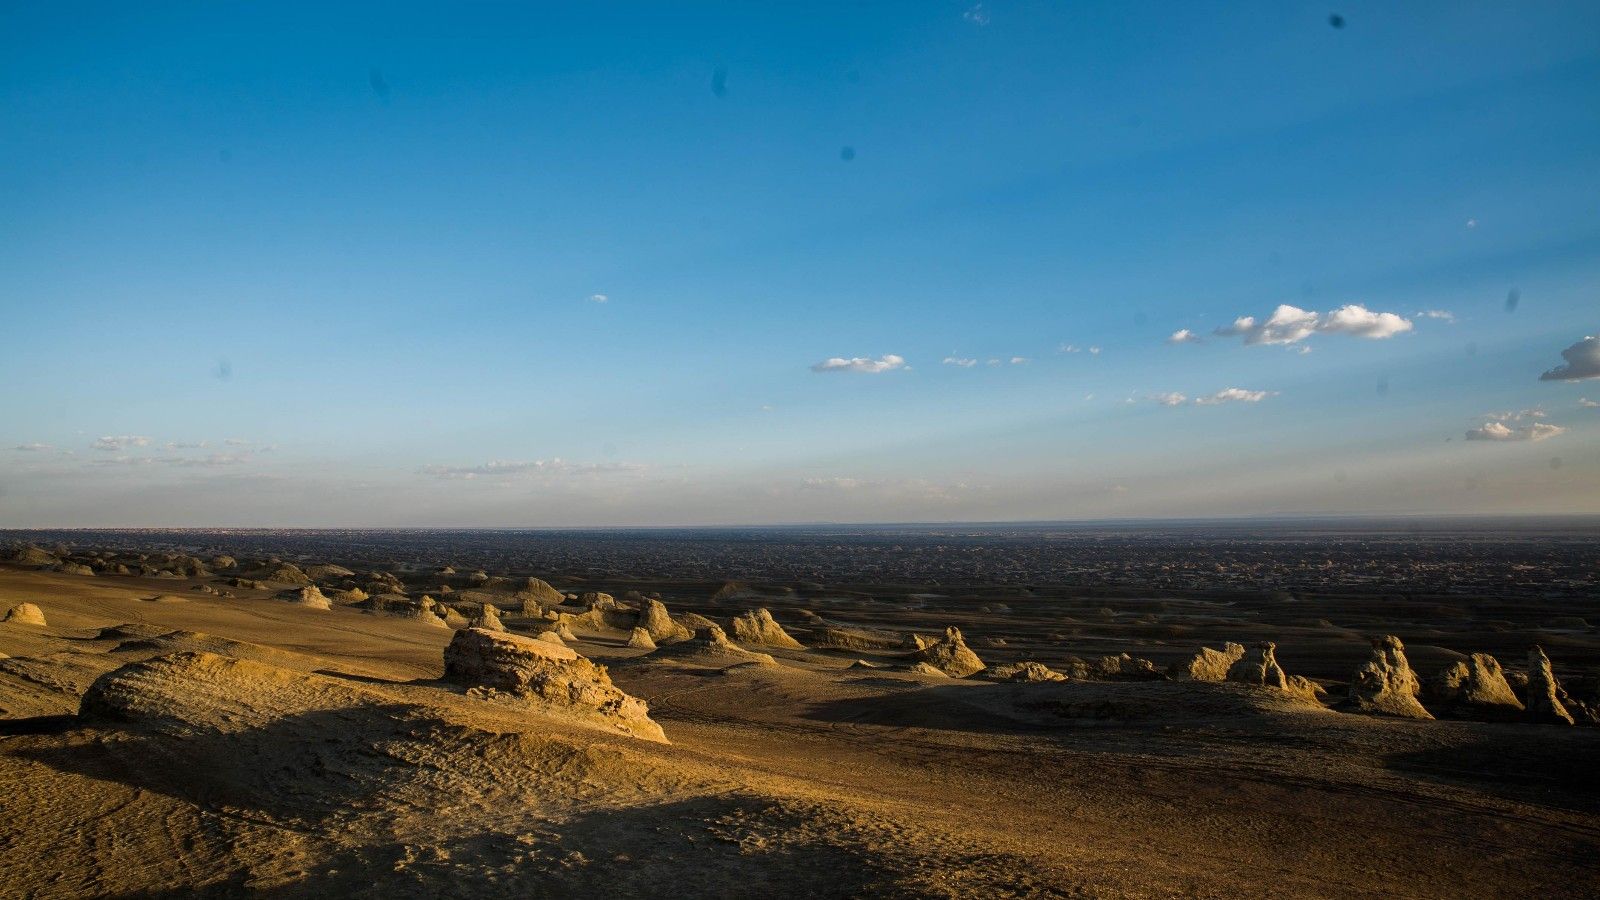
(1544, 692)
(758, 627)
(550, 676)
(710, 647)
(1207, 664)
(639, 639)
(310, 597)
(1025, 672)
(1125, 665)
(487, 618)
(1259, 667)
(1385, 684)
(951, 655)
(653, 618)
(1475, 688)
(540, 592)
(25, 614)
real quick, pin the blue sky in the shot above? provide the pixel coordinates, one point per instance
(359, 256)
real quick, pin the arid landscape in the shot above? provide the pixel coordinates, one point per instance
(321, 713)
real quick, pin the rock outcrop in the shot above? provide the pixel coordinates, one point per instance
(1544, 692)
(951, 655)
(547, 675)
(25, 614)
(286, 573)
(710, 647)
(1207, 664)
(653, 618)
(308, 596)
(1259, 666)
(487, 618)
(1474, 688)
(1385, 684)
(640, 640)
(1024, 672)
(758, 628)
(1125, 665)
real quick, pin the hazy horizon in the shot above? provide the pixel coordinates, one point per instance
(727, 265)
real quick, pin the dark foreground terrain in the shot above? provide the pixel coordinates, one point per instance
(419, 713)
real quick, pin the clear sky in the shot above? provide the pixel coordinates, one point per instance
(606, 263)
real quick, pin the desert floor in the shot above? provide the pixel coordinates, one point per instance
(330, 760)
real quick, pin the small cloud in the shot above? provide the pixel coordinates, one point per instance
(33, 448)
(1234, 395)
(120, 442)
(994, 362)
(213, 461)
(1291, 324)
(1440, 314)
(1094, 351)
(977, 15)
(180, 445)
(963, 362)
(1170, 399)
(1516, 415)
(1074, 348)
(886, 363)
(1498, 431)
(1583, 362)
(236, 442)
(1184, 336)
(508, 469)
(599, 298)
(1019, 360)
(1586, 403)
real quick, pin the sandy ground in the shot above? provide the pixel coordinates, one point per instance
(332, 762)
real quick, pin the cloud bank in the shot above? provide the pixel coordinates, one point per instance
(1499, 431)
(1291, 324)
(1583, 362)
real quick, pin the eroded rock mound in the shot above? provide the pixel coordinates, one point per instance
(1475, 688)
(1544, 692)
(1385, 684)
(487, 618)
(710, 646)
(640, 640)
(547, 674)
(1207, 664)
(1125, 665)
(1025, 672)
(758, 627)
(1259, 666)
(653, 618)
(25, 614)
(951, 655)
(309, 596)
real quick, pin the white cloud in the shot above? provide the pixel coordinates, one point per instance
(508, 469)
(1171, 399)
(1094, 351)
(1442, 315)
(1184, 336)
(180, 445)
(887, 362)
(1233, 395)
(34, 447)
(1586, 403)
(599, 298)
(1019, 360)
(1516, 415)
(1291, 324)
(994, 362)
(212, 461)
(977, 15)
(1583, 362)
(120, 442)
(960, 361)
(1497, 431)
(236, 442)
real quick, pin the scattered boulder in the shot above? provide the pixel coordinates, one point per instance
(1025, 672)
(487, 618)
(640, 640)
(25, 614)
(72, 568)
(710, 646)
(1544, 692)
(308, 596)
(1125, 665)
(654, 620)
(555, 678)
(1385, 684)
(1207, 664)
(1259, 667)
(598, 600)
(758, 627)
(1475, 688)
(950, 656)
